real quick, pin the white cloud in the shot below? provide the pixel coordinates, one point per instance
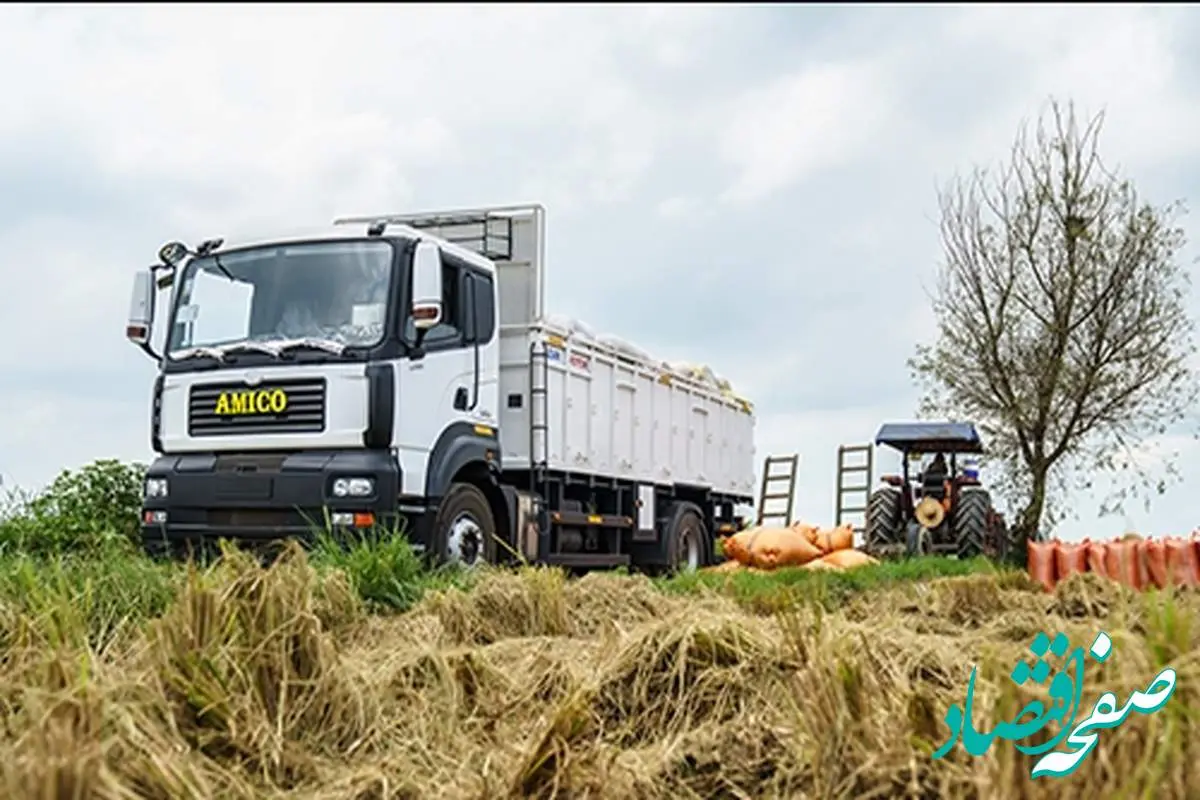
(750, 187)
(816, 119)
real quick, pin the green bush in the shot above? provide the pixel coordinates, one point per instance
(93, 509)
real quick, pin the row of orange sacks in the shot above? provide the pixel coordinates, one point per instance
(798, 545)
(1132, 561)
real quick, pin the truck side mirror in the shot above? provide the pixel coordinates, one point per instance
(426, 307)
(141, 311)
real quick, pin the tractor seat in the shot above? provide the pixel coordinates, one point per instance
(933, 483)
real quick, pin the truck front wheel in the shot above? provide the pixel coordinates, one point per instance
(465, 530)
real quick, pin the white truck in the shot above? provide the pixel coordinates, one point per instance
(399, 370)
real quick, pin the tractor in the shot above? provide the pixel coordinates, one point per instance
(940, 509)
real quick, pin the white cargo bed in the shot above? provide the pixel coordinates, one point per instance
(611, 410)
(617, 414)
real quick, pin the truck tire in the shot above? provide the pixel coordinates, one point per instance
(465, 530)
(971, 522)
(883, 519)
(687, 540)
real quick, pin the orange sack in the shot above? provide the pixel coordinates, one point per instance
(848, 559)
(808, 531)
(1124, 563)
(1097, 558)
(1042, 564)
(822, 541)
(1153, 556)
(737, 547)
(842, 537)
(819, 564)
(1071, 558)
(782, 547)
(1182, 566)
(727, 566)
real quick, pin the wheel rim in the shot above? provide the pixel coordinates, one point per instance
(464, 542)
(691, 548)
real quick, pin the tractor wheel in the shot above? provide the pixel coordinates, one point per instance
(971, 522)
(883, 519)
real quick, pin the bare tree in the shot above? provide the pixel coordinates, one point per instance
(1062, 322)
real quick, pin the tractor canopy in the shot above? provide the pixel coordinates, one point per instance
(930, 437)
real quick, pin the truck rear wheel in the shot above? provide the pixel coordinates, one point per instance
(883, 519)
(971, 522)
(465, 531)
(686, 542)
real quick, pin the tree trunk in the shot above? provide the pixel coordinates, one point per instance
(1028, 523)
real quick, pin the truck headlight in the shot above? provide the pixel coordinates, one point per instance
(354, 487)
(156, 487)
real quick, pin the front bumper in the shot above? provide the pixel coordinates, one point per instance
(253, 497)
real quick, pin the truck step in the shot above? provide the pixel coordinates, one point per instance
(585, 560)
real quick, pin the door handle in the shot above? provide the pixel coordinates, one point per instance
(460, 399)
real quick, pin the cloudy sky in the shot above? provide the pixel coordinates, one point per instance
(753, 188)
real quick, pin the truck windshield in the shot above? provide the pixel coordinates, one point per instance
(334, 291)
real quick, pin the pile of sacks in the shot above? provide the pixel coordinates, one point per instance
(798, 545)
(697, 372)
(1132, 561)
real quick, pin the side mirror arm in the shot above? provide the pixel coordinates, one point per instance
(148, 350)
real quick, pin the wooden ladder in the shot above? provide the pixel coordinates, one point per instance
(791, 465)
(846, 489)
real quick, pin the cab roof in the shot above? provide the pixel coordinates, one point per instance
(352, 232)
(930, 437)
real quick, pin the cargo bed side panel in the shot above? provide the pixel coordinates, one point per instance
(612, 416)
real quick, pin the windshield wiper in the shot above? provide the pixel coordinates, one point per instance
(197, 352)
(275, 348)
(252, 346)
(220, 352)
(328, 345)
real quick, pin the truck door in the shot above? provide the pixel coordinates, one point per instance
(436, 389)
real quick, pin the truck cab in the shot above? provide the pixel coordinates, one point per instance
(340, 379)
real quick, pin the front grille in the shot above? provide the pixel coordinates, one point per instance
(252, 518)
(244, 413)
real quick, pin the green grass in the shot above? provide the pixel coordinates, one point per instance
(786, 587)
(383, 569)
(107, 591)
(100, 593)
(71, 556)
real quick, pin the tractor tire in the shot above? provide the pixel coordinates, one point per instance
(884, 528)
(970, 524)
(465, 531)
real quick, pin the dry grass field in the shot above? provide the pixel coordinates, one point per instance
(239, 681)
